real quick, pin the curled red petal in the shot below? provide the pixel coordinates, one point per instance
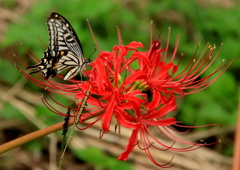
(131, 144)
(170, 106)
(135, 44)
(106, 119)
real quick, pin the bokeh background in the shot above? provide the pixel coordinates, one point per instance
(23, 22)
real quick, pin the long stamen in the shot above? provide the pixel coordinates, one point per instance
(94, 38)
(167, 45)
(120, 42)
(151, 33)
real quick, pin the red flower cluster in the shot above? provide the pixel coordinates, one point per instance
(138, 89)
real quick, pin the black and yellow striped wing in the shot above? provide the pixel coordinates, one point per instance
(64, 51)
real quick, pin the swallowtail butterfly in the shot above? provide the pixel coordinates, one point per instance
(64, 51)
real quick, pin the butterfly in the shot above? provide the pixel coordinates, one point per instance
(64, 51)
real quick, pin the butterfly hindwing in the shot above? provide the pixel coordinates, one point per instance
(64, 51)
(45, 66)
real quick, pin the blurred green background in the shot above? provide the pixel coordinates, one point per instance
(195, 21)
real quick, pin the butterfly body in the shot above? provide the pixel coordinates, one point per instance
(64, 51)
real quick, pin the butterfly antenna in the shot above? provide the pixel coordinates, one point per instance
(94, 50)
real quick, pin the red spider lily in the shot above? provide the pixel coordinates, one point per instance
(146, 120)
(140, 122)
(138, 98)
(114, 80)
(119, 91)
(163, 77)
(106, 80)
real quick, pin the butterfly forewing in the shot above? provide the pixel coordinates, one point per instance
(64, 51)
(62, 35)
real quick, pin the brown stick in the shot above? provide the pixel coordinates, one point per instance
(32, 136)
(236, 156)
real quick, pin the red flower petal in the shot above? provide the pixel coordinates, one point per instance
(131, 144)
